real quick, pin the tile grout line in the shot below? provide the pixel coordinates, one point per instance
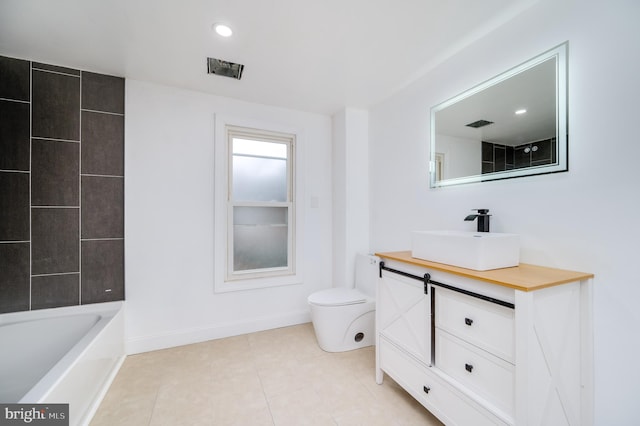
(264, 394)
(80, 194)
(53, 72)
(55, 139)
(53, 274)
(119, 114)
(153, 406)
(14, 171)
(30, 174)
(257, 374)
(54, 207)
(105, 176)
(16, 100)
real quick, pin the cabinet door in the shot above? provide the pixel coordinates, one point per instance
(404, 314)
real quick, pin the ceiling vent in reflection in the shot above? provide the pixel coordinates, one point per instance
(224, 68)
(479, 123)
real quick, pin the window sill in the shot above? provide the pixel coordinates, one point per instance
(256, 283)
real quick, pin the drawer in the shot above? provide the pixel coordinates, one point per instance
(450, 405)
(490, 377)
(485, 324)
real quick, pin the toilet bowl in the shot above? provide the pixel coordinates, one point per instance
(344, 318)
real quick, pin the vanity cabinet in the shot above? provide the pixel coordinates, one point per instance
(505, 347)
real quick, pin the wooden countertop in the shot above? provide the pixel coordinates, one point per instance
(524, 277)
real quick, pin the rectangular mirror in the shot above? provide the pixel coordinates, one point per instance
(512, 125)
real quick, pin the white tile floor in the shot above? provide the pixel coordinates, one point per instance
(276, 377)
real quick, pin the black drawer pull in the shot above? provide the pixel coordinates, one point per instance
(468, 321)
(426, 389)
(468, 367)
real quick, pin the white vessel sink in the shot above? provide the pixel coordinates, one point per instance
(480, 251)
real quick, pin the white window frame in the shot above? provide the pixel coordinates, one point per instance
(225, 280)
(289, 140)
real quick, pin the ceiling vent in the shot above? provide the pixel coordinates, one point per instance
(224, 68)
(479, 123)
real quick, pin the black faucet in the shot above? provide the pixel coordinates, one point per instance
(483, 219)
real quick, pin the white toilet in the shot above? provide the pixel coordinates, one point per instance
(344, 318)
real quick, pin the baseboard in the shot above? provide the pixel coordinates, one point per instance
(175, 338)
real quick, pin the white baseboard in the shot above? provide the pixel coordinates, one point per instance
(215, 331)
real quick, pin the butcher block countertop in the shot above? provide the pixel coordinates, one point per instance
(523, 277)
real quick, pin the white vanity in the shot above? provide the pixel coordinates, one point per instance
(509, 346)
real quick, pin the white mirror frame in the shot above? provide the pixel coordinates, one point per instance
(561, 165)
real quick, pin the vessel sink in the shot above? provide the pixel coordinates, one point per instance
(480, 251)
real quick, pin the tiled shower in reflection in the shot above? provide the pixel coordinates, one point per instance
(61, 186)
(498, 157)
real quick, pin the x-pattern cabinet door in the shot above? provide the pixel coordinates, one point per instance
(404, 314)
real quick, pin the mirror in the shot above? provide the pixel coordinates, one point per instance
(511, 126)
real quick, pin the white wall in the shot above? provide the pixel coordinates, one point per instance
(169, 218)
(462, 157)
(586, 219)
(350, 192)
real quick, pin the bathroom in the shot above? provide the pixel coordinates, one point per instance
(366, 187)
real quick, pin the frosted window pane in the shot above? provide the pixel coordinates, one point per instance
(259, 178)
(260, 237)
(259, 148)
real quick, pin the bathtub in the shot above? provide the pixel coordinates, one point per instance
(62, 355)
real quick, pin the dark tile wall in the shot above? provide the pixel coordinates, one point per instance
(102, 270)
(102, 207)
(496, 157)
(52, 291)
(14, 79)
(14, 206)
(54, 175)
(54, 240)
(61, 186)
(14, 278)
(14, 135)
(55, 105)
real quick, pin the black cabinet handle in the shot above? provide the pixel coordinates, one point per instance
(426, 389)
(468, 367)
(468, 321)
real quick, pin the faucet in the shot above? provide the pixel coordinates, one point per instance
(483, 219)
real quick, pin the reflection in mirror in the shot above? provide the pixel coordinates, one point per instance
(510, 126)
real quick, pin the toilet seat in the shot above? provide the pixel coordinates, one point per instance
(337, 297)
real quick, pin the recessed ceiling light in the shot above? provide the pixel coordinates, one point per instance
(222, 30)
(521, 111)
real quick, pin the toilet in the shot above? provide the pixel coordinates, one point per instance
(344, 318)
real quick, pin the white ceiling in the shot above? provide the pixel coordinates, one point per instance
(533, 89)
(318, 56)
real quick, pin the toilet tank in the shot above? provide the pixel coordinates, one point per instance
(367, 273)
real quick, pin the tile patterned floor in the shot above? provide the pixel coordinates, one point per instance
(277, 377)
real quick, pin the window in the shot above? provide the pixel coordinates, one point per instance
(260, 204)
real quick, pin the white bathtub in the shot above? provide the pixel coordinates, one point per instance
(62, 355)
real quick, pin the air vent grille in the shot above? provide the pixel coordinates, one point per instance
(224, 68)
(479, 123)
